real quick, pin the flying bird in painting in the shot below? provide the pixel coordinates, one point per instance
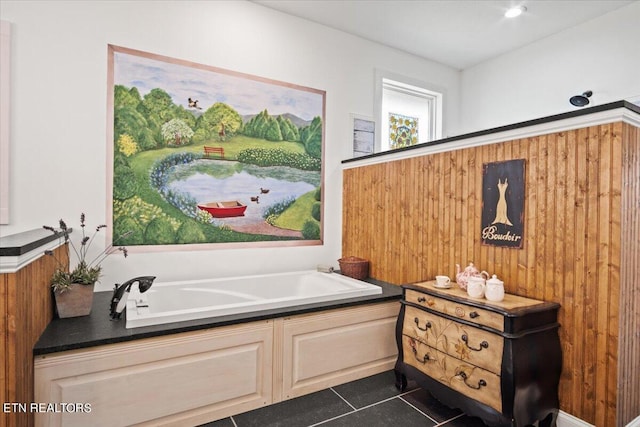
(194, 104)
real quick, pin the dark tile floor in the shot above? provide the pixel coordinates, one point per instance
(369, 402)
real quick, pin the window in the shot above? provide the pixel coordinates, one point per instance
(409, 112)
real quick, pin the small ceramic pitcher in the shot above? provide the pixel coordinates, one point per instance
(476, 287)
(495, 289)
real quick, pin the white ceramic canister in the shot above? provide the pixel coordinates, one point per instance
(476, 287)
(494, 289)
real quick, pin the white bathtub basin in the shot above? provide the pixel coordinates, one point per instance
(198, 299)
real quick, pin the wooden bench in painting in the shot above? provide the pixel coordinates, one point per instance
(218, 151)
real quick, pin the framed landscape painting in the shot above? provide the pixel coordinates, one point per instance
(199, 155)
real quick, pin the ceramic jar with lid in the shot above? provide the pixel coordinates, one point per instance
(494, 290)
(476, 287)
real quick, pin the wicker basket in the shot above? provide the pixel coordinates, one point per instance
(355, 267)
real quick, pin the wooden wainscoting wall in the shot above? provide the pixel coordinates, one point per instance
(26, 308)
(417, 217)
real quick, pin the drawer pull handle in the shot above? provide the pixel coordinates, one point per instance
(481, 383)
(473, 314)
(426, 325)
(425, 359)
(483, 344)
(423, 299)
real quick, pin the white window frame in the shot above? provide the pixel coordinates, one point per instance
(432, 94)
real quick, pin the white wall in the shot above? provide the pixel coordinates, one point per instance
(58, 107)
(602, 55)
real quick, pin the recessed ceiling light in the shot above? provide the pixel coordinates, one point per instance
(515, 11)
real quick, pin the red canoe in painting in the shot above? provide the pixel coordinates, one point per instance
(224, 209)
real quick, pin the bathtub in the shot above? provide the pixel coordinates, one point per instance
(198, 299)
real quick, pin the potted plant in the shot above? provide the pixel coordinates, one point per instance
(73, 290)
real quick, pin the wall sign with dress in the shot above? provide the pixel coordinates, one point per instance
(503, 203)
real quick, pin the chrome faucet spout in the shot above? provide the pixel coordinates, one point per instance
(120, 293)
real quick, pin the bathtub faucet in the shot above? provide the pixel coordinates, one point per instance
(121, 292)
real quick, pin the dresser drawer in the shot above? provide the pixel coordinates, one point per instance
(469, 344)
(461, 311)
(472, 381)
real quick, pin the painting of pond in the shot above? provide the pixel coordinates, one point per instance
(203, 155)
(261, 189)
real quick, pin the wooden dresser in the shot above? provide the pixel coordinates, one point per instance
(499, 361)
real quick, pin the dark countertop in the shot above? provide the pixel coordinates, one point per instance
(96, 329)
(21, 243)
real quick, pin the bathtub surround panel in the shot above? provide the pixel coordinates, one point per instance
(26, 308)
(417, 217)
(200, 371)
(202, 376)
(362, 340)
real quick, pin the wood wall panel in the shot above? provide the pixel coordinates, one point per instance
(415, 218)
(629, 316)
(26, 308)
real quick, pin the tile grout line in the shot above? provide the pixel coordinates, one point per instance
(353, 411)
(414, 407)
(449, 420)
(345, 400)
(364, 407)
(233, 421)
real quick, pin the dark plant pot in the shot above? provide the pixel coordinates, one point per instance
(75, 301)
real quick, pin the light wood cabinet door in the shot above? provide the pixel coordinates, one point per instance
(185, 379)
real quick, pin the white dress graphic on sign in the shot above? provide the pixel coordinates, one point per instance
(501, 208)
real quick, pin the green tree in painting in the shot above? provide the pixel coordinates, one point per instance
(311, 230)
(199, 136)
(129, 120)
(288, 129)
(129, 228)
(146, 140)
(257, 125)
(189, 232)
(272, 130)
(157, 108)
(176, 132)
(158, 103)
(311, 137)
(185, 115)
(124, 182)
(159, 232)
(219, 121)
(124, 97)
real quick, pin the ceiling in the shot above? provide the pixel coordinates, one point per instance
(456, 33)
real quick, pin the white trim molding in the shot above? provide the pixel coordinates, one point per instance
(635, 422)
(473, 140)
(11, 264)
(567, 420)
